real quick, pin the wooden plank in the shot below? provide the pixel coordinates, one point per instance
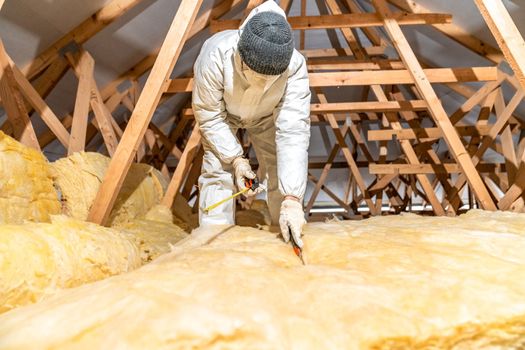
(350, 63)
(85, 67)
(506, 33)
(379, 77)
(14, 104)
(104, 120)
(47, 115)
(190, 150)
(193, 174)
(410, 169)
(425, 133)
(80, 34)
(166, 141)
(507, 142)
(47, 81)
(343, 51)
(475, 99)
(436, 109)
(369, 106)
(143, 112)
(285, 5)
(347, 20)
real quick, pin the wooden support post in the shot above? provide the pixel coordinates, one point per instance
(506, 33)
(436, 109)
(143, 112)
(192, 146)
(14, 104)
(193, 174)
(85, 67)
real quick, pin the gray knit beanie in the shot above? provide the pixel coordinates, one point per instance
(266, 43)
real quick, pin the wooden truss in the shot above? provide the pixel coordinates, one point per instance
(403, 151)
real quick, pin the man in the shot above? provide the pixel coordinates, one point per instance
(253, 78)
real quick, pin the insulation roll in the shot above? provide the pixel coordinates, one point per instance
(78, 178)
(37, 259)
(156, 233)
(394, 282)
(26, 188)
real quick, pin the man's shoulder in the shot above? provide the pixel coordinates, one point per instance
(221, 42)
(296, 61)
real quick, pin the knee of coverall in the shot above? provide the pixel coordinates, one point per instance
(215, 184)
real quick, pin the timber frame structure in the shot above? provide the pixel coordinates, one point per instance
(398, 142)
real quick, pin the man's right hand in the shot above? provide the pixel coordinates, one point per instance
(243, 171)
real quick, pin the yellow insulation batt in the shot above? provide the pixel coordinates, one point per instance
(404, 282)
(37, 259)
(26, 188)
(156, 233)
(78, 178)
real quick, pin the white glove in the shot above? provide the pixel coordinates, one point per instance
(292, 218)
(243, 171)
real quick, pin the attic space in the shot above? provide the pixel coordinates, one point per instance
(268, 174)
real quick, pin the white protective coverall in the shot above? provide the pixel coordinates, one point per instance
(276, 116)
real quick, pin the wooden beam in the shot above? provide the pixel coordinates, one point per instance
(411, 169)
(350, 63)
(85, 67)
(338, 52)
(47, 115)
(347, 20)
(425, 133)
(506, 33)
(368, 106)
(14, 103)
(285, 5)
(250, 6)
(189, 153)
(143, 112)
(80, 34)
(379, 77)
(435, 108)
